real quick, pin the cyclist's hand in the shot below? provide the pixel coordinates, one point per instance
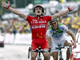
(4, 4)
(71, 8)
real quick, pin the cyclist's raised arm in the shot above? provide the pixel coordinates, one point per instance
(57, 15)
(7, 6)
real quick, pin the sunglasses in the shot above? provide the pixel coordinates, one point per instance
(54, 23)
(38, 8)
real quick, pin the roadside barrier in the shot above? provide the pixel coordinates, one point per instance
(18, 38)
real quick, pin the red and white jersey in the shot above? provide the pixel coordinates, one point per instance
(38, 26)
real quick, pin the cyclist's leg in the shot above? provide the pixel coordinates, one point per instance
(55, 55)
(68, 51)
(54, 44)
(46, 55)
(55, 51)
(33, 55)
(45, 46)
(33, 47)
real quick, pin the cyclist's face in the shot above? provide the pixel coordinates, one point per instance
(54, 25)
(38, 11)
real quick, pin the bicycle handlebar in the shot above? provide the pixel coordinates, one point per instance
(38, 50)
(60, 47)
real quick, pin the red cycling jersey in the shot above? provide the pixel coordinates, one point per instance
(38, 26)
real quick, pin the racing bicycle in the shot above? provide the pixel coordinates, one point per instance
(39, 50)
(60, 52)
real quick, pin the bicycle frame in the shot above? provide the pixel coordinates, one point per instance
(39, 50)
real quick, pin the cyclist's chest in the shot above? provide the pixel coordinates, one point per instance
(37, 23)
(57, 33)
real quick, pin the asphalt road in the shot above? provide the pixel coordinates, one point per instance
(17, 52)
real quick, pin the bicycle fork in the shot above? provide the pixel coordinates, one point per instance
(60, 54)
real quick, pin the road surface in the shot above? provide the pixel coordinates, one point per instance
(17, 52)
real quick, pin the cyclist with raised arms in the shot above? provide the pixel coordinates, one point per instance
(56, 35)
(38, 26)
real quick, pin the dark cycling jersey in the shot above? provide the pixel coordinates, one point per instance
(38, 26)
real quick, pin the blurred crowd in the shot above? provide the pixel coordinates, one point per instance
(72, 22)
(16, 26)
